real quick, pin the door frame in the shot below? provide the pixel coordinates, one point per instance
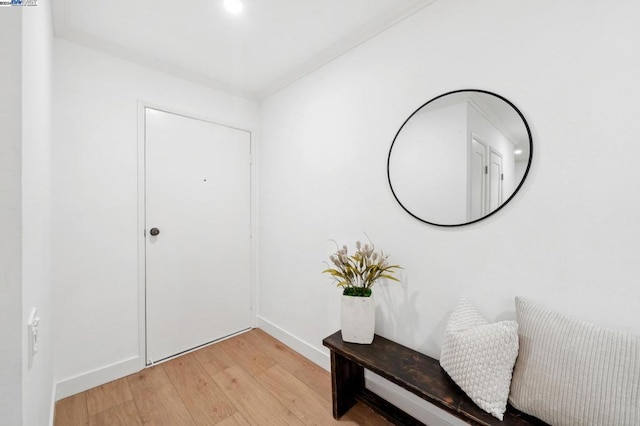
(471, 137)
(493, 150)
(141, 216)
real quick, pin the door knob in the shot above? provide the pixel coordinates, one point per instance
(154, 231)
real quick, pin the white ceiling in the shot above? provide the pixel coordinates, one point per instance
(265, 48)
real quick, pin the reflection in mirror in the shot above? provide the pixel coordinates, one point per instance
(459, 158)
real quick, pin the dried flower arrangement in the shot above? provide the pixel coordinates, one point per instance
(357, 273)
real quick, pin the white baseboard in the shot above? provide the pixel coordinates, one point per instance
(412, 404)
(91, 379)
(100, 376)
(422, 410)
(316, 355)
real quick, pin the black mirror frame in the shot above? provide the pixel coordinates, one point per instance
(524, 176)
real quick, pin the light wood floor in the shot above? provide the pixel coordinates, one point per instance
(250, 379)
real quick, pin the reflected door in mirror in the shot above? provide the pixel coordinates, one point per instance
(459, 158)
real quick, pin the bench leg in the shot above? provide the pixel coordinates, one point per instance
(347, 381)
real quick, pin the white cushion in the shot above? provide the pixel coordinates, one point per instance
(479, 357)
(570, 372)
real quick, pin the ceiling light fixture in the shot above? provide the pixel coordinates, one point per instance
(517, 152)
(233, 6)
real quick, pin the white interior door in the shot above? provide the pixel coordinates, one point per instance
(477, 184)
(495, 180)
(197, 190)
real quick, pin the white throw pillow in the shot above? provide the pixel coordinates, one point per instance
(572, 373)
(479, 357)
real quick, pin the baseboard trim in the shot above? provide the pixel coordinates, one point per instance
(97, 377)
(417, 407)
(422, 410)
(316, 355)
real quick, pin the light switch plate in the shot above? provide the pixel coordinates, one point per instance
(32, 335)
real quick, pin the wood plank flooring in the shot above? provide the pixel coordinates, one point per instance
(250, 379)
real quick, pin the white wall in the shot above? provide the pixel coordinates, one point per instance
(570, 237)
(37, 39)
(25, 119)
(10, 217)
(95, 202)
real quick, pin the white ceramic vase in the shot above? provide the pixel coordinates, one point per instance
(358, 319)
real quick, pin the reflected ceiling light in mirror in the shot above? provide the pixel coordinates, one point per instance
(455, 160)
(233, 6)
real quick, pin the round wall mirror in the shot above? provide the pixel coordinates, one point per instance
(459, 158)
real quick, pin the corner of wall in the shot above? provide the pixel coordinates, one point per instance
(97, 377)
(10, 217)
(309, 351)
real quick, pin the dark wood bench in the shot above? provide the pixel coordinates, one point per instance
(413, 371)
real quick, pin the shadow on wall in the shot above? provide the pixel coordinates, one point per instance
(397, 318)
